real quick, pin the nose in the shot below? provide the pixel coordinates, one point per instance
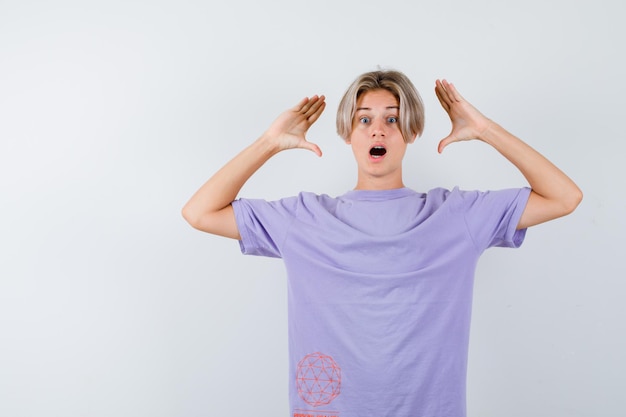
(378, 127)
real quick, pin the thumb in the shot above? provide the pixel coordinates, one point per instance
(445, 142)
(312, 147)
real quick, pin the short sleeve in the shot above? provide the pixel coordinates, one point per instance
(492, 216)
(263, 225)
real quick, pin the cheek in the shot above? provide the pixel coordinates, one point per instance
(357, 127)
(357, 147)
(355, 137)
(402, 152)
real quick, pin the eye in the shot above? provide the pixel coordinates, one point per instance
(364, 119)
(392, 119)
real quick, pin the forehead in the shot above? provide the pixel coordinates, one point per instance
(379, 98)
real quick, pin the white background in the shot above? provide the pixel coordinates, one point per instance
(112, 113)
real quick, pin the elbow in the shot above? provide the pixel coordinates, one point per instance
(574, 198)
(186, 215)
(221, 222)
(190, 217)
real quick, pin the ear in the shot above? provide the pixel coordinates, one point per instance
(411, 140)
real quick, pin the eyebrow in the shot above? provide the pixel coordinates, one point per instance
(369, 108)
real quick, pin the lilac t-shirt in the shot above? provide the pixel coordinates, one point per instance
(380, 292)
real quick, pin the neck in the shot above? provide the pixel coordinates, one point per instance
(379, 184)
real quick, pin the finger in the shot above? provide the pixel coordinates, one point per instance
(452, 91)
(314, 105)
(318, 112)
(440, 93)
(310, 104)
(447, 90)
(301, 105)
(445, 93)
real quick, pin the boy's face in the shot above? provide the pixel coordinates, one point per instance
(377, 142)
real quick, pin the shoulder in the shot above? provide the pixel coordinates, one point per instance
(292, 204)
(467, 199)
(309, 202)
(439, 196)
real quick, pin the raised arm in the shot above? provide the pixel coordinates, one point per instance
(210, 209)
(553, 194)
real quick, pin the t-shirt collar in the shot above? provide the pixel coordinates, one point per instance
(378, 195)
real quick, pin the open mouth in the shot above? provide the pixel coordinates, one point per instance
(377, 151)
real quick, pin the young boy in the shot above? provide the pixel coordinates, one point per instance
(380, 279)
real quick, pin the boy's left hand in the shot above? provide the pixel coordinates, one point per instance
(467, 122)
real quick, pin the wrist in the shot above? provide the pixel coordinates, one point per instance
(265, 145)
(491, 133)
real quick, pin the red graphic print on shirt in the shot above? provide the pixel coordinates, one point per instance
(318, 379)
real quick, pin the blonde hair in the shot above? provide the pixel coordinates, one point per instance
(411, 112)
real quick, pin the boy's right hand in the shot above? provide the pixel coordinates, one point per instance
(289, 129)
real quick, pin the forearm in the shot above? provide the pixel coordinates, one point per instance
(210, 207)
(224, 186)
(555, 193)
